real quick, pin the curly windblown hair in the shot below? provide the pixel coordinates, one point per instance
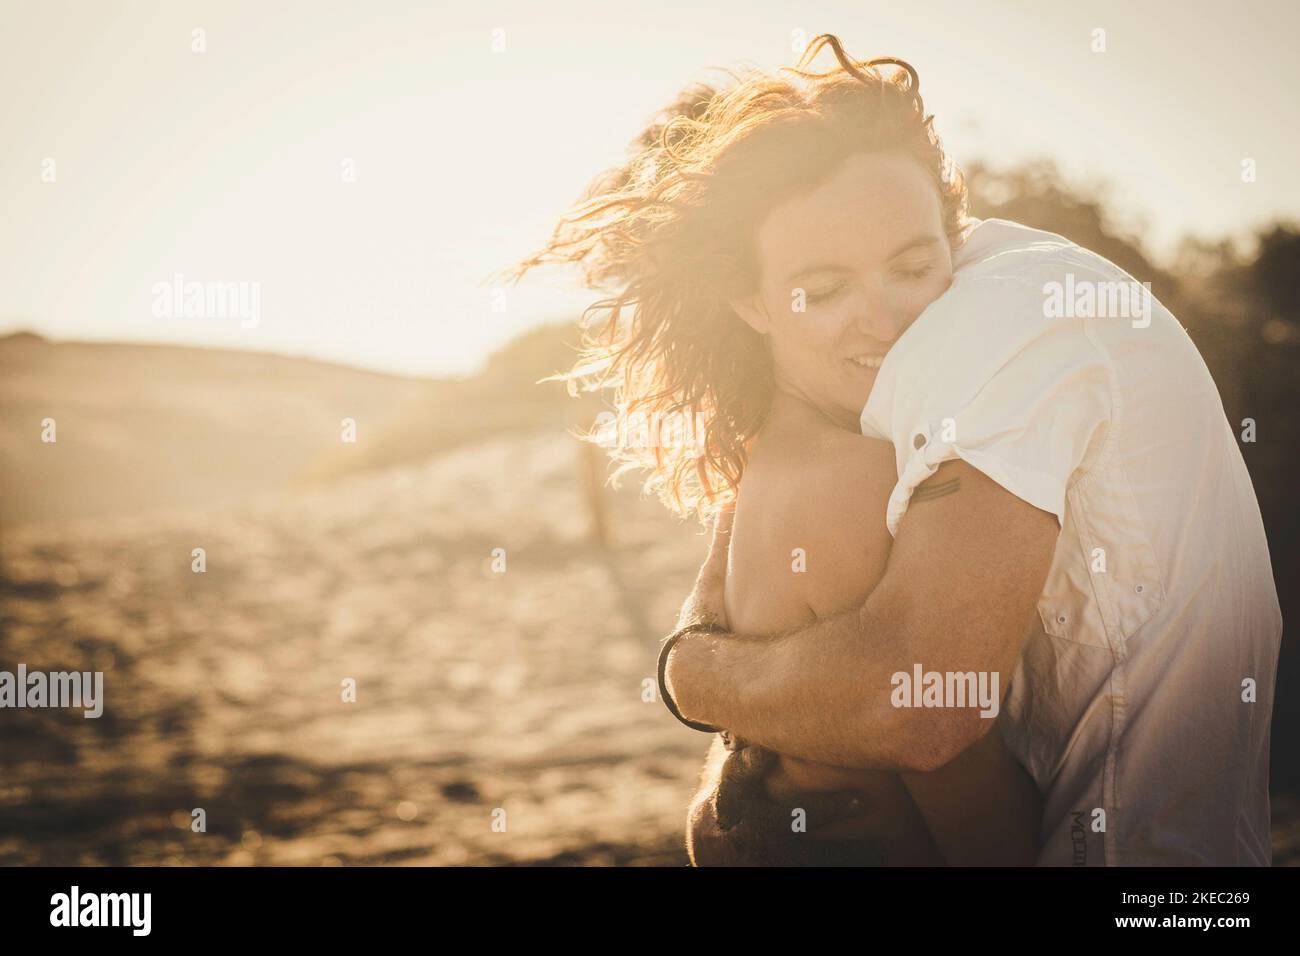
(669, 237)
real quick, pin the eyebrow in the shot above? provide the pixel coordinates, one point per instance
(914, 243)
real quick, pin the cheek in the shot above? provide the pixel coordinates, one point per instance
(807, 341)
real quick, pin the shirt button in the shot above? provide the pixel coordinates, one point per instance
(1138, 589)
(1060, 619)
(918, 441)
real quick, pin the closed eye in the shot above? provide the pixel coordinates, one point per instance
(826, 296)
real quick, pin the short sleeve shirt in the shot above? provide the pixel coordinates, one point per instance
(1142, 701)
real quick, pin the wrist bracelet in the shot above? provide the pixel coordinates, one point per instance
(669, 643)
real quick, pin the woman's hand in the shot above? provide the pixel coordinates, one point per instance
(705, 603)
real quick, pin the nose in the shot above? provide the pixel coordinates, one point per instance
(877, 315)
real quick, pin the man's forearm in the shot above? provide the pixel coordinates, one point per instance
(821, 693)
(959, 596)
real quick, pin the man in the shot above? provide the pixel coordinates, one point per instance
(1072, 510)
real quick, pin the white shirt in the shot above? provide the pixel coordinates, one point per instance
(1130, 704)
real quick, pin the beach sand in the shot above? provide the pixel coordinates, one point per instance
(476, 691)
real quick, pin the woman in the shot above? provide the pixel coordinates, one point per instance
(814, 496)
(771, 241)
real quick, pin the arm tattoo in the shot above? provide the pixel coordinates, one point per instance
(924, 493)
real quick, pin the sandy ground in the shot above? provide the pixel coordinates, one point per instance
(477, 691)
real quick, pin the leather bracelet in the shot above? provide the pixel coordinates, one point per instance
(669, 643)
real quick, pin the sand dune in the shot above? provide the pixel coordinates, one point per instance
(146, 427)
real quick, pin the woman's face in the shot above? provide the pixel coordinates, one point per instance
(869, 251)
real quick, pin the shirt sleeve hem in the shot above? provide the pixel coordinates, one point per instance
(1034, 488)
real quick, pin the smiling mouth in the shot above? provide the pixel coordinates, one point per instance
(867, 361)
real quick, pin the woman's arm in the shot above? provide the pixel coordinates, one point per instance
(981, 808)
(705, 605)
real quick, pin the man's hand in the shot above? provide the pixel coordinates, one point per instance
(733, 822)
(705, 603)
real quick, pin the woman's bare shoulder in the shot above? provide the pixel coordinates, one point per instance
(824, 491)
(822, 466)
(851, 460)
(849, 480)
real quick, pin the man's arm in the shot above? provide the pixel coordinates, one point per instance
(962, 584)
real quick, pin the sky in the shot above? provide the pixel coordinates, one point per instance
(363, 167)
